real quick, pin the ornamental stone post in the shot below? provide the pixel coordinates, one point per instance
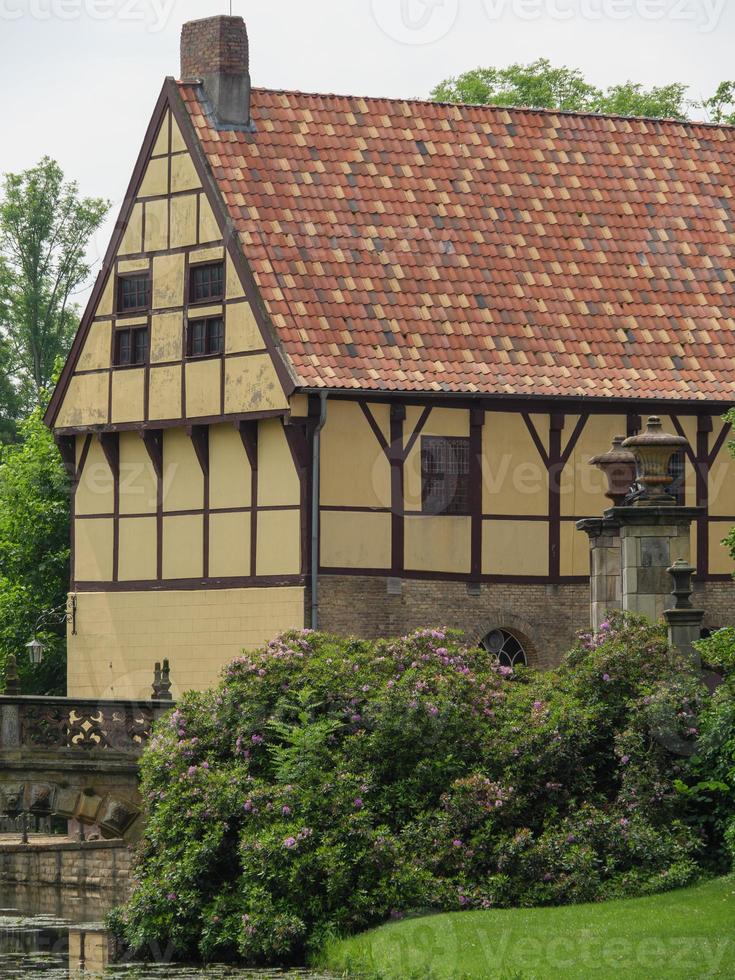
(644, 534)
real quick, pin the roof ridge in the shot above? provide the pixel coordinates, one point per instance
(531, 110)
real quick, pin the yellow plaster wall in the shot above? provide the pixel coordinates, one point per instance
(95, 491)
(350, 540)
(138, 481)
(156, 226)
(183, 481)
(183, 546)
(183, 174)
(514, 478)
(583, 486)
(721, 478)
(122, 634)
(165, 392)
(242, 332)
(160, 147)
(575, 550)
(96, 351)
(229, 545)
(168, 281)
(138, 549)
(234, 283)
(279, 542)
(93, 540)
(278, 480)
(437, 544)
(132, 240)
(155, 179)
(184, 220)
(230, 480)
(355, 471)
(252, 385)
(85, 402)
(128, 395)
(515, 548)
(203, 388)
(166, 337)
(208, 227)
(720, 562)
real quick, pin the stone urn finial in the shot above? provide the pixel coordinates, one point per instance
(681, 573)
(618, 465)
(12, 679)
(653, 450)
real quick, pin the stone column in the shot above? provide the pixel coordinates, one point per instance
(652, 539)
(685, 622)
(605, 567)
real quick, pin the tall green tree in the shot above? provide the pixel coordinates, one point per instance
(34, 553)
(541, 85)
(45, 229)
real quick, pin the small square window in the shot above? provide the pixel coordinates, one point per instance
(131, 347)
(445, 475)
(133, 293)
(206, 337)
(207, 282)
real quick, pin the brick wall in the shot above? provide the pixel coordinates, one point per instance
(545, 618)
(214, 45)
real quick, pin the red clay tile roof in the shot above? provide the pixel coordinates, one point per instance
(412, 246)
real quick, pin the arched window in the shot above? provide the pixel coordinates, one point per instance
(506, 648)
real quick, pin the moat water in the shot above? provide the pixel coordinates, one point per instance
(57, 936)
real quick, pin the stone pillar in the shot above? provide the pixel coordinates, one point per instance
(651, 539)
(605, 568)
(684, 622)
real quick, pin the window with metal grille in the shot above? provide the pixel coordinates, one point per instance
(445, 475)
(133, 293)
(131, 346)
(206, 337)
(207, 282)
(677, 472)
(506, 647)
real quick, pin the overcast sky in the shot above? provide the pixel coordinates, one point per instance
(81, 76)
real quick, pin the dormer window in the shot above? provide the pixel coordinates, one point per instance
(206, 337)
(207, 282)
(133, 293)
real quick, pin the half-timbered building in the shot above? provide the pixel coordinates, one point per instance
(347, 360)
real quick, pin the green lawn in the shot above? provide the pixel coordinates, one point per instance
(684, 934)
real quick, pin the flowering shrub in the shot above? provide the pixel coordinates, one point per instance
(328, 784)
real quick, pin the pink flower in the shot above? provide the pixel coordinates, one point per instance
(625, 760)
(456, 843)
(257, 739)
(286, 811)
(358, 803)
(606, 678)
(172, 896)
(289, 843)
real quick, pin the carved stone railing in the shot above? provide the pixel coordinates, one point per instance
(35, 724)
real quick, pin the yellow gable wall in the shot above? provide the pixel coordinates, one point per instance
(171, 227)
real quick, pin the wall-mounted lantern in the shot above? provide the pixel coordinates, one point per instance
(619, 466)
(35, 650)
(653, 450)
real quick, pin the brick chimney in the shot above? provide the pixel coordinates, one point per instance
(215, 50)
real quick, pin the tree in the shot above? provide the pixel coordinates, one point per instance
(34, 553)
(45, 228)
(721, 106)
(541, 85)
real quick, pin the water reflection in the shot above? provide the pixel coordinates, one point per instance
(49, 945)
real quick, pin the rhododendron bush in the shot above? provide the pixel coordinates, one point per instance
(329, 784)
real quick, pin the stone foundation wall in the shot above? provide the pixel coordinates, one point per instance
(545, 618)
(100, 868)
